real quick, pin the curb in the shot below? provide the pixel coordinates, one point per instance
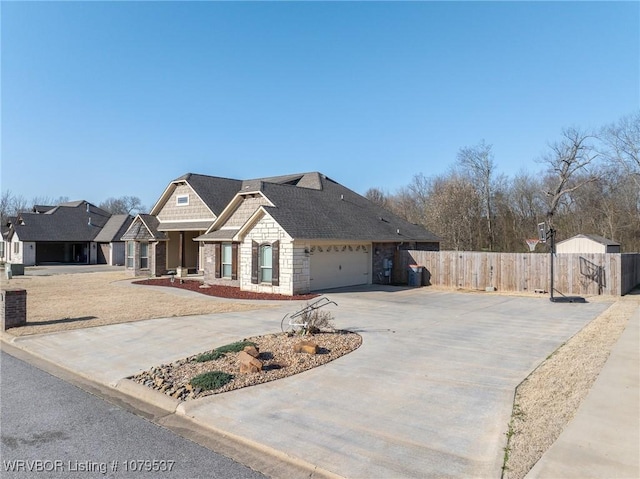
(310, 470)
(147, 395)
(230, 445)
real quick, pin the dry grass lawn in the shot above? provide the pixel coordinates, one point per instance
(73, 301)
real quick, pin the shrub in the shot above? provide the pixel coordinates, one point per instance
(210, 356)
(317, 321)
(211, 380)
(235, 347)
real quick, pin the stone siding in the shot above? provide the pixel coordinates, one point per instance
(195, 210)
(267, 231)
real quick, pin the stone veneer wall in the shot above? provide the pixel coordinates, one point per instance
(267, 231)
(14, 307)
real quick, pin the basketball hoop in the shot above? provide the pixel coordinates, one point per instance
(532, 242)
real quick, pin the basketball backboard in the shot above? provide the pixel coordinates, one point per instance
(542, 232)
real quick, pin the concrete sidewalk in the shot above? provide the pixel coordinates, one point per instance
(603, 439)
(428, 394)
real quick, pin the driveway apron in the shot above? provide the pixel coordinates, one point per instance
(428, 394)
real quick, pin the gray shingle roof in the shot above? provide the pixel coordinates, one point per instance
(76, 221)
(216, 192)
(114, 228)
(337, 213)
(313, 206)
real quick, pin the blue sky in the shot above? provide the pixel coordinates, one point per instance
(104, 99)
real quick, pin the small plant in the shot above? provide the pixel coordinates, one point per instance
(234, 347)
(210, 356)
(316, 321)
(211, 380)
(516, 415)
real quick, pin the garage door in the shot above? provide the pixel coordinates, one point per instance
(339, 265)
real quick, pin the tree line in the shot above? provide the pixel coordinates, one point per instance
(589, 183)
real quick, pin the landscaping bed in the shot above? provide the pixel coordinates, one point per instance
(221, 291)
(276, 353)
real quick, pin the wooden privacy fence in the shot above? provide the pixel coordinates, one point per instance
(574, 274)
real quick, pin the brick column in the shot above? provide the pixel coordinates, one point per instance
(14, 308)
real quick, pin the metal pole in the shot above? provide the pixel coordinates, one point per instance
(552, 249)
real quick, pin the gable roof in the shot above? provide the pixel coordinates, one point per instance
(76, 221)
(114, 228)
(144, 227)
(214, 191)
(598, 239)
(313, 206)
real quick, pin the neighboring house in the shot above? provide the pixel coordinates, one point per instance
(59, 234)
(4, 232)
(111, 248)
(587, 244)
(288, 234)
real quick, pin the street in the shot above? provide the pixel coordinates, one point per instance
(50, 428)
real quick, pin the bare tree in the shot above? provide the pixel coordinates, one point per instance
(569, 156)
(622, 144)
(377, 196)
(477, 162)
(124, 205)
(453, 212)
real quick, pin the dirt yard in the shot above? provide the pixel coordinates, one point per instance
(73, 301)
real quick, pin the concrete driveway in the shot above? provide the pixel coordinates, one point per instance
(428, 394)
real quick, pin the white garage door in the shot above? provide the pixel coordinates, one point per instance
(339, 265)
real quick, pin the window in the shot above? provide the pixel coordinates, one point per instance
(266, 263)
(1, 249)
(144, 255)
(226, 260)
(131, 247)
(182, 200)
(16, 248)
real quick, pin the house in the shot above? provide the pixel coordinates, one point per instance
(111, 248)
(64, 233)
(587, 244)
(288, 234)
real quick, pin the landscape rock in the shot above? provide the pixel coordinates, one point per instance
(308, 347)
(249, 364)
(252, 351)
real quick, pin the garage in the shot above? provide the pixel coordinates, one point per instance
(336, 266)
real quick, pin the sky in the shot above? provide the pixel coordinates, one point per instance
(107, 99)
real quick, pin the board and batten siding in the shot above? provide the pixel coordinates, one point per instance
(574, 274)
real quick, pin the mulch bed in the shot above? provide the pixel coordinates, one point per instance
(221, 291)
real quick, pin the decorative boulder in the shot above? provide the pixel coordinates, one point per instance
(252, 351)
(308, 347)
(249, 364)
